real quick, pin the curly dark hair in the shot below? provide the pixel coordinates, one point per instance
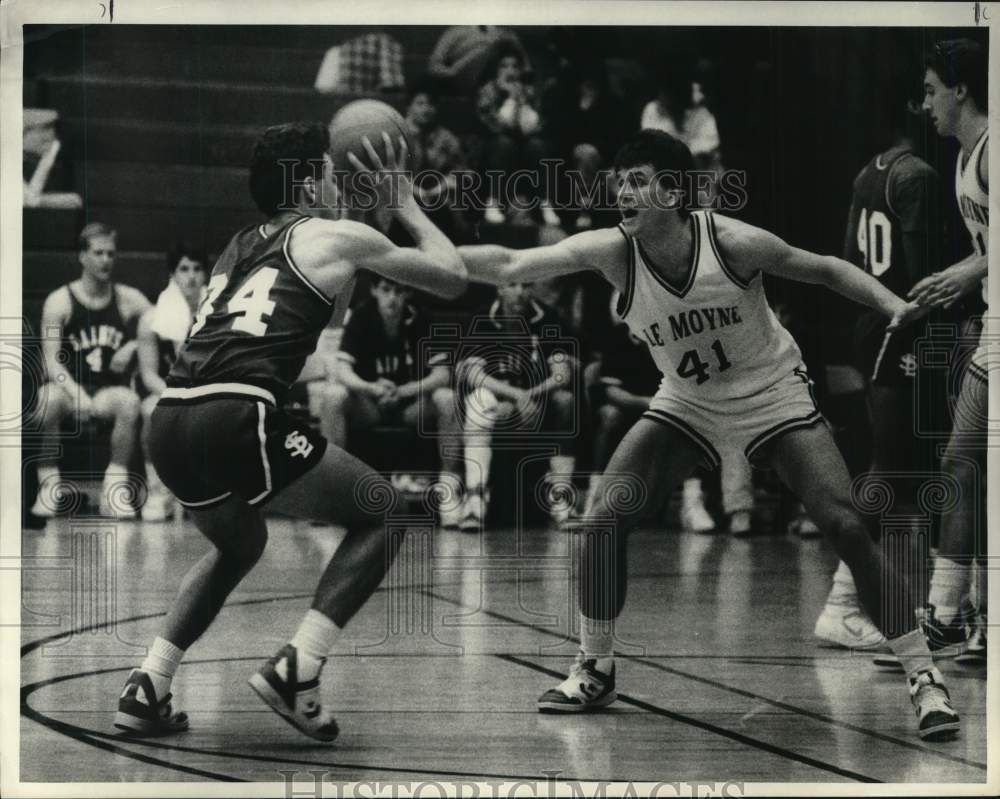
(284, 156)
(961, 61)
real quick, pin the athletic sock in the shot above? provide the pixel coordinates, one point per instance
(161, 664)
(48, 472)
(313, 641)
(477, 467)
(692, 492)
(948, 585)
(912, 651)
(597, 642)
(562, 465)
(844, 591)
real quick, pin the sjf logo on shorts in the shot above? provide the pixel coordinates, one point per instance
(298, 444)
(908, 365)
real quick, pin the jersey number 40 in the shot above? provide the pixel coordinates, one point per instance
(251, 305)
(875, 241)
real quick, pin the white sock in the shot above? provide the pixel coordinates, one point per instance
(161, 664)
(948, 585)
(48, 472)
(597, 642)
(313, 640)
(477, 466)
(562, 465)
(912, 651)
(692, 491)
(843, 592)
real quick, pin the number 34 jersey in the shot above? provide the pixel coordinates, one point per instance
(715, 338)
(260, 319)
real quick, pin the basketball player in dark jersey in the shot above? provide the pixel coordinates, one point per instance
(691, 284)
(87, 353)
(162, 330)
(894, 231)
(224, 447)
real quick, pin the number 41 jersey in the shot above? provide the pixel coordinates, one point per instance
(260, 319)
(715, 338)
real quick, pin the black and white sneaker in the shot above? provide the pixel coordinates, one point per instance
(140, 712)
(584, 690)
(296, 702)
(936, 718)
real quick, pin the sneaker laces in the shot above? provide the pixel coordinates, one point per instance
(930, 691)
(584, 681)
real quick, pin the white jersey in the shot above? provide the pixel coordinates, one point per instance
(714, 338)
(973, 199)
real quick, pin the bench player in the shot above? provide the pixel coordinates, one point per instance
(222, 445)
(732, 377)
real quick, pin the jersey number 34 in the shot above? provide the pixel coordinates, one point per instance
(251, 305)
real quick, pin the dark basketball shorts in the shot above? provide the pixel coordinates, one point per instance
(216, 441)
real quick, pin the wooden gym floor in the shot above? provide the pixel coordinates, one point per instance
(436, 678)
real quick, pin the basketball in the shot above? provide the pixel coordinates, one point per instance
(362, 118)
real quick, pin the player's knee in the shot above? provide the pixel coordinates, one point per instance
(53, 402)
(562, 401)
(127, 405)
(610, 416)
(248, 550)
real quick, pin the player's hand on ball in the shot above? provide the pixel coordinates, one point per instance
(390, 180)
(907, 314)
(943, 288)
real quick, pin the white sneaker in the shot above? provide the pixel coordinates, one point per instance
(296, 701)
(936, 718)
(803, 527)
(585, 689)
(560, 498)
(848, 626)
(695, 518)
(158, 509)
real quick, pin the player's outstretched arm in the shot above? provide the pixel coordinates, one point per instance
(778, 258)
(501, 266)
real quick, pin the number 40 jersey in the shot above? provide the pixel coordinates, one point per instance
(260, 319)
(714, 338)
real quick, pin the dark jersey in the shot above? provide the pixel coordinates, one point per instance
(895, 194)
(90, 340)
(260, 319)
(516, 350)
(371, 353)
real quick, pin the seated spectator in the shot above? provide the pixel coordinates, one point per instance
(518, 378)
(41, 151)
(385, 379)
(372, 62)
(87, 358)
(464, 52)
(508, 110)
(162, 330)
(679, 109)
(434, 149)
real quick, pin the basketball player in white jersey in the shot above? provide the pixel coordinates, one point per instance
(955, 99)
(733, 377)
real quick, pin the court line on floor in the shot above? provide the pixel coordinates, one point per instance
(739, 737)
(98, 739)
(792, 708)
(801, 711)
